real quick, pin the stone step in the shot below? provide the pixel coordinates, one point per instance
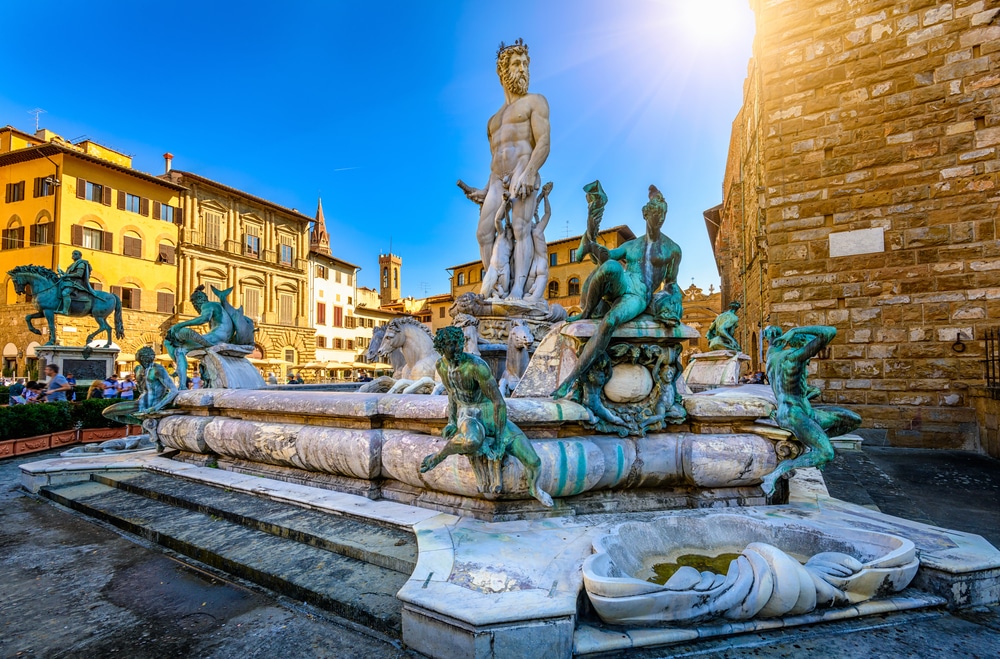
(388, 547)
(349, 587)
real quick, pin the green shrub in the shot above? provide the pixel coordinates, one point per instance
(4, 395)
(87, 413)
(37, 419)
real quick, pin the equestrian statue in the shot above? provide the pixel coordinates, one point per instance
(67, 293)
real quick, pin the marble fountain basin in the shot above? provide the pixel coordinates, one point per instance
(783, 568)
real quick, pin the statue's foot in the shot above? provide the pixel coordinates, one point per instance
(768, 484)
(542, 496)
(427, 464)
(573, 318)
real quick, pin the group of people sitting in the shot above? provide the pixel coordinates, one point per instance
(58, 388)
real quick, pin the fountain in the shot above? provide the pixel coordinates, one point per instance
(540, 517)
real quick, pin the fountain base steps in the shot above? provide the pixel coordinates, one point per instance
(349, 567)
(511, 589)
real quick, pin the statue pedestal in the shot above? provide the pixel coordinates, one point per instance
(718, 368)
(98, 365)
(631, 389)
(226, 367)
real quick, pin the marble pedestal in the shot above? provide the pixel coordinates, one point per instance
(98, 365)
(719, 368)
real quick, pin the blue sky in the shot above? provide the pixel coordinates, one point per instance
(381, 105)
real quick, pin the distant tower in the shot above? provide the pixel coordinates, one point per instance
(319, 239)
(389, 282)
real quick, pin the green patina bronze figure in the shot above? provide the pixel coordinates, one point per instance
(67, 293)
(720, 334)
(616, 293)
(478, 427)
(226, 325)
(788, 356)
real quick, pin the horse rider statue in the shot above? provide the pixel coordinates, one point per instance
(75, 278)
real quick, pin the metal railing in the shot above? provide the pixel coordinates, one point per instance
(992, 362)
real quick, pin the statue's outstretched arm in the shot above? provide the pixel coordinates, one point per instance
(809, 340)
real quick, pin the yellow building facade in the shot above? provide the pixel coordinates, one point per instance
(60, 197)
(232, 239)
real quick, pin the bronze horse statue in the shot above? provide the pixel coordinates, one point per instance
(44, 285)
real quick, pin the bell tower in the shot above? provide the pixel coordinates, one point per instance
(389, 283)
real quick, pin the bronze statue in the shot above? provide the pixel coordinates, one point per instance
(67, 294)
(477, 420)
(616, 293)
(720, 333)
(225, 325)
(788, 356)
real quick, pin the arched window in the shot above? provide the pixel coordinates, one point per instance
(132, 244)
(385, 277)
(395, 277)
(166, 253)
(461, 279)
(574, 286)
(553, 289)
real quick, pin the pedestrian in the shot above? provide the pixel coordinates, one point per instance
(96, 389)
(57, 386)
(71, 394)
(271, 379)
(126, 389)
(196, 380)
(111, 386)
(17, 389)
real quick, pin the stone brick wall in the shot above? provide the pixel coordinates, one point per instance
(878, 128)
(988, 420)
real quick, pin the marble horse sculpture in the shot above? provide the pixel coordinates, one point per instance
(788, 356)
(478, 427)
(518, 342)
(720, 333)
(47, 288)
(413, 340)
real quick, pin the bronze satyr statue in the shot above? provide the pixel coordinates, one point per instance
(477, 420)
(788, 356)
(720, 334)
(616, 293)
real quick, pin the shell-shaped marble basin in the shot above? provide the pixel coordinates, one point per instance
(783, 568)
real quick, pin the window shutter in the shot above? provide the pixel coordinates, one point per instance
(136, 299)
(107, 196)
(178, 215)
(38, 186)
(107, 243)
(116, 290)
(121, 200)
(33, 231)
(156, 210)
(10, 188)
(81, 188)
(76, 234)
(167, 253)
(144, 206)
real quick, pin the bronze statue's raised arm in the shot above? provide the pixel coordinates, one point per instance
(815, 337)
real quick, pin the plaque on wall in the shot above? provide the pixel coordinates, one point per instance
(86, 369)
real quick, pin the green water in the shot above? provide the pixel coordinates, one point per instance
(717, 564)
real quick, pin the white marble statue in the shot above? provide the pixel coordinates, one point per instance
(413, 340)
(538, 276)
(519, 144)
(518, 342)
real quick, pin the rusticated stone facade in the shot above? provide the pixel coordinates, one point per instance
(861, 192)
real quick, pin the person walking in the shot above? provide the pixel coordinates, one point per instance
(96, 389)
(71, 394)
(57, 385)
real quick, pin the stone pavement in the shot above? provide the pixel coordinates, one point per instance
(74, 587)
